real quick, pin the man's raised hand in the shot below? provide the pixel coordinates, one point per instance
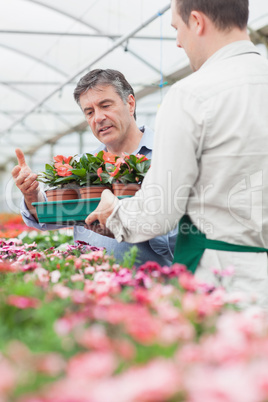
(26, 181)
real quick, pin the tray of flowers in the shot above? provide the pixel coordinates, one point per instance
(75, 184)
(88, 175)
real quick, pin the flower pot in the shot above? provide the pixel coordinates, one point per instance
(62, 194)
(92, 191)
(120, 189)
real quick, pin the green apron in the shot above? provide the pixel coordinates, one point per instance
(191, 244)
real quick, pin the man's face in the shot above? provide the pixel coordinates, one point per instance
(107, 115)
(186, 38)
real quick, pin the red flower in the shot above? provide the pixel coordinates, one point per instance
(142, 157)
(120, 161)
(114, 173)
(61, 159)
(109, 157)
(64, 170)
(112, 170)
(99, 171)
(6, 267)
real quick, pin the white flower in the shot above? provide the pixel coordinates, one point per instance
(55, 276)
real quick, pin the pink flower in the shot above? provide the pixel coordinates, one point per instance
(227, 383)
(51, 364)
(63, 326)
(7, 377)
(30, 267)
(125, 348)
(78, 263)
(158, 381)
(94, 337)
(89, 270)
(91, 365)
(188, 281)
(42, 274)
(94, 255)
(22, 302)
(78, 296)
(61, 291)
(77, 278)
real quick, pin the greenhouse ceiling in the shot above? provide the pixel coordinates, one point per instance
(47, 45)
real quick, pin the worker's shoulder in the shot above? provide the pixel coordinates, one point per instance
(224, 75)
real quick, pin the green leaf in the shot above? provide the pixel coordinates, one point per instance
(49, 167)
(63, 180)
(79, 172)
(91, 158)
(100, 155)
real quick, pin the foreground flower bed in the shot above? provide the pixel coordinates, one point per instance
(75, 326)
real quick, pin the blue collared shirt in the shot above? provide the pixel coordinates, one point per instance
(159, 249)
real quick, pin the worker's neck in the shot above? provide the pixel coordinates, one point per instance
(129, 143)
(221, 39)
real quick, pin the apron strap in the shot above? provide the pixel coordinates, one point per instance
(191, 244)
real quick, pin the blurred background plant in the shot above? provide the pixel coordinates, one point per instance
(11, 225)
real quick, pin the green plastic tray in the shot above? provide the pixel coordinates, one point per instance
(70, 212)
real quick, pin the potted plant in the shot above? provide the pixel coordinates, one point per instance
(59, 178)
(90, 175)
(127, 173)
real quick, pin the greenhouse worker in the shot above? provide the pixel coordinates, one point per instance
(210, 155)
(108, 102)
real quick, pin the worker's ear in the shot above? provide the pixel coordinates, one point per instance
(197, 22)
(131, 104)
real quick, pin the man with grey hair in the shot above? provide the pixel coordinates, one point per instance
(212, 128)
(108, 103)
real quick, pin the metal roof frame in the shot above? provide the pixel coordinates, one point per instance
(116, 44)
(40, 106)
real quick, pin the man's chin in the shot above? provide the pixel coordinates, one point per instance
(107, 137)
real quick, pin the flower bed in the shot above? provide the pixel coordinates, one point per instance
(76, 326)
(11, 225)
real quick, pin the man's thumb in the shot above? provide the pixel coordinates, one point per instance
(20, 157)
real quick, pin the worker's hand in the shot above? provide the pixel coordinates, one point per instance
(96, 221)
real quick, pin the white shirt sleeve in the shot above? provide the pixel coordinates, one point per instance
(162, 200)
